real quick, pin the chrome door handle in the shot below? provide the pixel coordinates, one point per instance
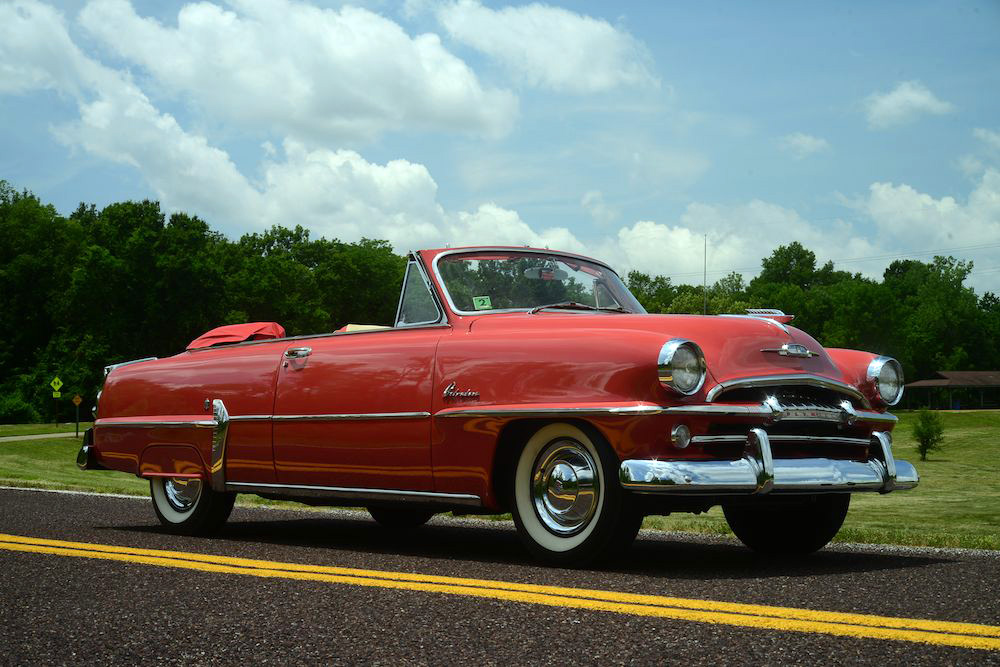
(298, 352)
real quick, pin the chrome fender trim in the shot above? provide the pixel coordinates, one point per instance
(220, 432)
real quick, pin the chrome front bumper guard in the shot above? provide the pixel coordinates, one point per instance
(758, 472)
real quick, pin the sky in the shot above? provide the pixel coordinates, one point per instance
(635, 132)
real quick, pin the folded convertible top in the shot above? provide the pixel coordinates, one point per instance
(238, 333)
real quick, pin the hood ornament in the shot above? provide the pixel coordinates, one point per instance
(452, 391)
(792, 350)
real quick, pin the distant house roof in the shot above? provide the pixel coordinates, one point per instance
(961, 379)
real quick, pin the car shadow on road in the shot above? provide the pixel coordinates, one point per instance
(653, 554)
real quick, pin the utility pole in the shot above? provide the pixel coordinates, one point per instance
(704, 278)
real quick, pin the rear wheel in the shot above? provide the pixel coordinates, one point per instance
(567, 504)
(789, 527)
(189, 506)
(400, 519)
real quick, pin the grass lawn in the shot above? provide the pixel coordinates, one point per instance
(957, 503)
(34, 429)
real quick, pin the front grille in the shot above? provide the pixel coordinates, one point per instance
(811, 422)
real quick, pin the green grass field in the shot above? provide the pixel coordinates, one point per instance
(957, 503)
(36, 429)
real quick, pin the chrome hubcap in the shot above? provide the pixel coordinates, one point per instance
(182, 494)
(564, 487)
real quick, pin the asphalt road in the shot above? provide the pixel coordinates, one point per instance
(70, 604)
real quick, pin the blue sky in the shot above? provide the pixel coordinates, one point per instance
(628, 131)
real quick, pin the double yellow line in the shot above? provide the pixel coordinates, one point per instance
(945, 633)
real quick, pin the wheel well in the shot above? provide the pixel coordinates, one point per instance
(512, 437)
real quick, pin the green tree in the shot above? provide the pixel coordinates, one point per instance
(928, 431)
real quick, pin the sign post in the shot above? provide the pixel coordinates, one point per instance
(77, 400)
(56, 385)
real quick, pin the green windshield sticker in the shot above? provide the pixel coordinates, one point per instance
(481, 303)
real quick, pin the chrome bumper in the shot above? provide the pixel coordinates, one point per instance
(85, 458)
(758, 472)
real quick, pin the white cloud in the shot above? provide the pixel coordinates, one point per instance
(989, 137)
(905, 102)
(307, 72)
(550, 47)
(602, 212)
(802, 145)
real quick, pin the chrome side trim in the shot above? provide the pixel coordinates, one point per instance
(219, 435)
(788, 380)
(113, 423)
(548, 412)
(765, 410)
(111, 367)
(332, 334)
(345, 416)
(351, 493)
(249, 418)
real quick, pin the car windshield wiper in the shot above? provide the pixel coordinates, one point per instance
(573, 305)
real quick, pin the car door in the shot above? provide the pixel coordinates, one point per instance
(353, 409)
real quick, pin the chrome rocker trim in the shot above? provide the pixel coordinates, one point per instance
(759, 473)
(351, 493)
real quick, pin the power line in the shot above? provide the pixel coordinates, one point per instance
(897, 255)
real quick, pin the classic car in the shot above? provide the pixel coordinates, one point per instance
(522, 380)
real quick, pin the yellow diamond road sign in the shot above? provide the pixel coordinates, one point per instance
(56, 383)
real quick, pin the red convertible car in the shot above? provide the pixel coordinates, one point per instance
(521, 380)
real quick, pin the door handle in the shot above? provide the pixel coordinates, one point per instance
(298, 352)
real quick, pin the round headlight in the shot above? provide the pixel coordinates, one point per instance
(886, 376)
(681, 366)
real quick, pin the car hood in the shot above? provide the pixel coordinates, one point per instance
(734, 346)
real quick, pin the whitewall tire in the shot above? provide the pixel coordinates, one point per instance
(567, 503)
(189, 506)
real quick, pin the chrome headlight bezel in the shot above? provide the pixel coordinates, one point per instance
(875, 368)
(666, 369)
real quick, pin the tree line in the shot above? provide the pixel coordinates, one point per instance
(95, 287)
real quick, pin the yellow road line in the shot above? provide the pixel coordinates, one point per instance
(947, 633)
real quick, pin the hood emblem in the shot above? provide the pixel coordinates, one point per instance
(452, 391)
(792, 350)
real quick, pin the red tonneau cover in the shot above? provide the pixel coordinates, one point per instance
(237, 333)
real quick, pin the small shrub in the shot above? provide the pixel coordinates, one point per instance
(928, 431)
(15, 410)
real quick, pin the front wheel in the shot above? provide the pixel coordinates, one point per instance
(567, 504)
(189, 506)
(790, 526)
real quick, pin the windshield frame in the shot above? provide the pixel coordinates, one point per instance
(443, 288)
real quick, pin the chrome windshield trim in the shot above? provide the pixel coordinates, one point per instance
(790, 380)
(351, 416)
(356, 493)
(536, 251)
(121, 423)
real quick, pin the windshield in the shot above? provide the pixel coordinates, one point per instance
(498, 280)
